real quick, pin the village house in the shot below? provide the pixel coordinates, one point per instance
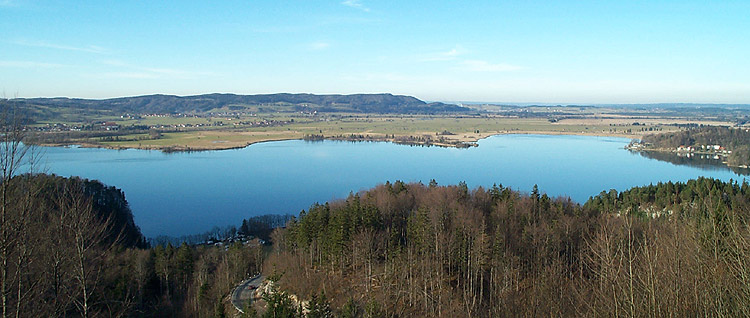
(110, 125)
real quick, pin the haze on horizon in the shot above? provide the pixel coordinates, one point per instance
(594, 52)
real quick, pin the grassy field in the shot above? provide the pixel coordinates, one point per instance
(378, 127)
(232, 126)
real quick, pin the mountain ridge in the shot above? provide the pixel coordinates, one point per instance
(162, 103)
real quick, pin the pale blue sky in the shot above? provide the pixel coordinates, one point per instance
(495, 51)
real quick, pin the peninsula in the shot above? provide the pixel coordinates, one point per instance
(730, 145)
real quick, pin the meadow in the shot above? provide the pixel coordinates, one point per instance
(239, 131)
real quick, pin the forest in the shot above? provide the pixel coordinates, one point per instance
(736, 140)
(70, 249)
(397, 250)
(405, 250)
(53, 108)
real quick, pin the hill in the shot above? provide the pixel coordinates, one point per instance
(60, 239)
(165, 104)
(413, 250)
(731, 144)
(51, 198)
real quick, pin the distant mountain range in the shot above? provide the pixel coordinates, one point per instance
(359, 103)
(644, 106)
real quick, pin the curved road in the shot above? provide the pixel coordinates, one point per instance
(244, 291)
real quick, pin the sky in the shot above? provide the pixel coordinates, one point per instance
(454, 51)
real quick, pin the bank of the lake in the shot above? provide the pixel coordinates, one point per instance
(185, 193)
(237, 140)
(676, 154)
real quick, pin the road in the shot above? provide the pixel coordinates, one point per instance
(244, 291)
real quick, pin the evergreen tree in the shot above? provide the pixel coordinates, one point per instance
(433, 183)
(184, 263)
(319, 307)
(279, 305)
(249, 310)
(219, 311)
(350, 309)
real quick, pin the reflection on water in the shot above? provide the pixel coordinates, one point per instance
(704, 162)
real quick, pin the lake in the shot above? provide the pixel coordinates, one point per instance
(188, 193)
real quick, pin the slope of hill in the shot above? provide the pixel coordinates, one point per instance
(53, 196)
(731, 144)
(414, 250)
(359, 103)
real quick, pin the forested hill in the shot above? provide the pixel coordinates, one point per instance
(412, 250)
(55, 200)
(730, 138)
(736, 141)
(162, 104)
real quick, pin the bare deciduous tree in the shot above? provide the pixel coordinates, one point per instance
(12, 155)
(86, 236)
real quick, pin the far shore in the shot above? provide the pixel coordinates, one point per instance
(455, 141)
(675, 152)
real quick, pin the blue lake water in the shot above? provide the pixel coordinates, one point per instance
(188, 193)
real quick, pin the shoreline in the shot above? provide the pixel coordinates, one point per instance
(675, 152)
(461, 142)
(165, 149)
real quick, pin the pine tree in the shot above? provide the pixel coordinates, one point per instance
(219, 310)
(279, 305)
(319, 307)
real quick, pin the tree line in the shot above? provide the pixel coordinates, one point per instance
(736, 140)
(69, 248)
(399, 250)
(53, 108)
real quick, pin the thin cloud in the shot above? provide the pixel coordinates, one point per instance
(454, 52)
(455, 56)
(30, 64)
(131, 75)
(383, 77)
(319, 22)
(279, 29)
(136, 71)
(357, 4)
(319, 46)
(88, 49)
(450, 55)
(484, 66)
